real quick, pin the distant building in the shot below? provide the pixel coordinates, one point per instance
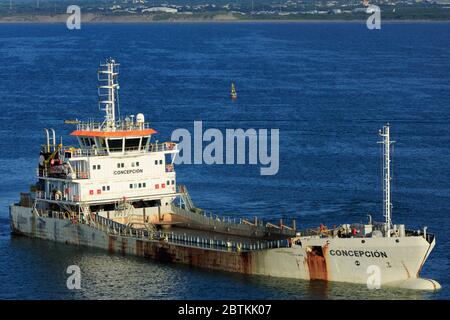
(161, 9)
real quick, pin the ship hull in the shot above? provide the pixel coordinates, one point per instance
(312, 258)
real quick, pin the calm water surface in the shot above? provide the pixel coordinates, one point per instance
(327, 87)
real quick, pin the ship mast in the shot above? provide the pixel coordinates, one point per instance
(107, 91)
(387, 205)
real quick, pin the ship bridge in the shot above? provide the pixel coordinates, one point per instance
(127, 136)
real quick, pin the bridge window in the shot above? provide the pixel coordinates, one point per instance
(84, 142)
(102, 143)
(115, 145)
(144, 143)
(88, 142)
(132, 143)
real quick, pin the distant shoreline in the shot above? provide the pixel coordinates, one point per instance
(101, 19)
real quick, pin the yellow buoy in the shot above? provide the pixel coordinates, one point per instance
(233, 91)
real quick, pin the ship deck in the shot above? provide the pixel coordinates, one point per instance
(217, 240)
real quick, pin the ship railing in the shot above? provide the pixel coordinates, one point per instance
(223, 244)
(236, 226)
(78, 152)
(164, 146)
(82, 174)
(44, 173)
(128, 149)
(52, 214)
(41, 173)
(189, 210)
(152, 147)
(42, 195)
(94, 152)
(117, 228)
(120, 125)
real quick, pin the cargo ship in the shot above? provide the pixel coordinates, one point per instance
(117, 190)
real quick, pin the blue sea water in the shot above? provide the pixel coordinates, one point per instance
(328, 88)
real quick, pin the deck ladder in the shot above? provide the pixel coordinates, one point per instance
(186, 198)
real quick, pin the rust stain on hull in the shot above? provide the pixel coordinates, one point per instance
(317, 263)
(196, 257)
(33, 226)
(111, 244)
(124, 246)
(139, 248)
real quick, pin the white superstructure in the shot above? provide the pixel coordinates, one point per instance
(115, 160)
